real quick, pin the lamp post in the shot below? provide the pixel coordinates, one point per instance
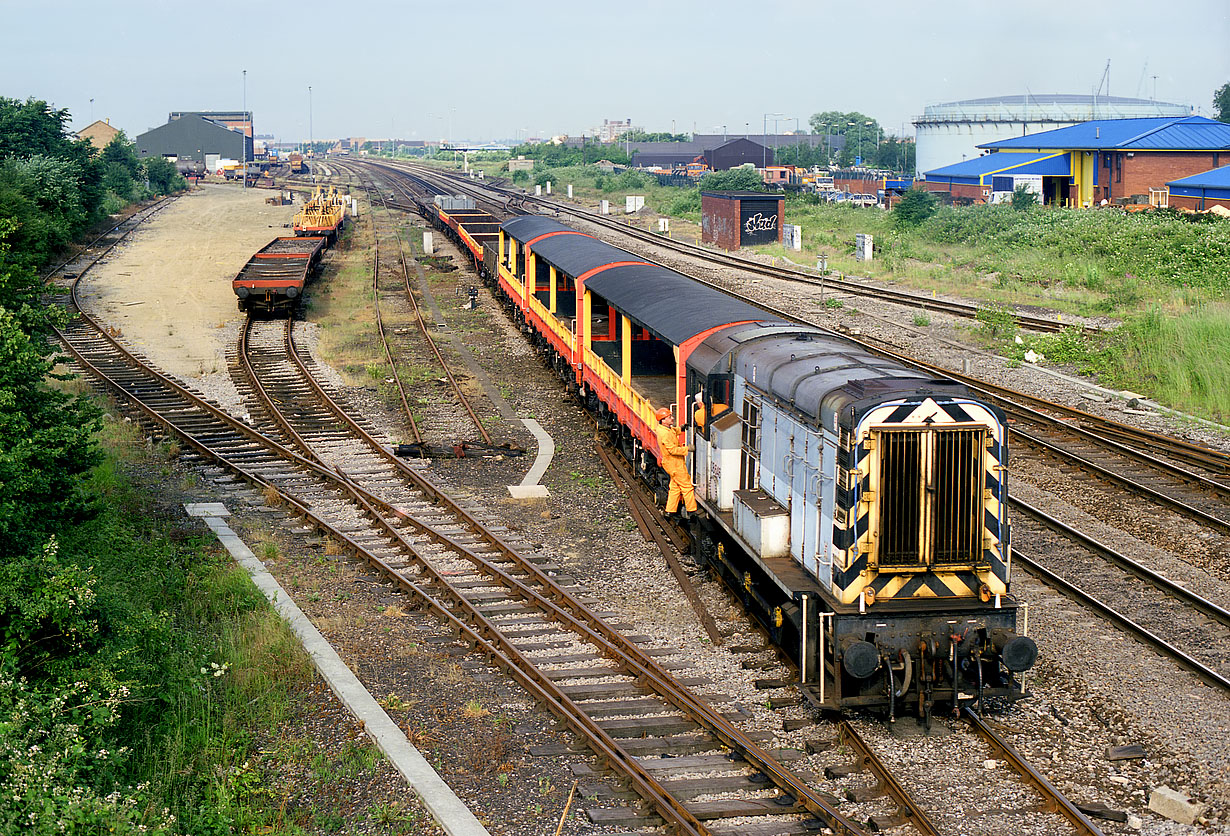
(243, 142)
(311, 133)
(92, 101)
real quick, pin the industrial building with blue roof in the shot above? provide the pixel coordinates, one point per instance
(1094, 163)
(1202, 191)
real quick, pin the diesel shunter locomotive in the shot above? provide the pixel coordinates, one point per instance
(861, 511)
(858, 508)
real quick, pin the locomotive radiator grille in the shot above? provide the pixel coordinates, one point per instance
(958, 496)
(929, 493)
(901, 489)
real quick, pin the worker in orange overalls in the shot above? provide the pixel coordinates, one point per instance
(699, 415)
(673, 451)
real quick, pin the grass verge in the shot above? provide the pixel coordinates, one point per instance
(164, 694)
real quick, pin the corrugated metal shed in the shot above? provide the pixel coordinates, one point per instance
(644, 292)
(192, 138)
(1189, 133)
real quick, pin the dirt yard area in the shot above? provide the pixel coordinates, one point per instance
(185, 318)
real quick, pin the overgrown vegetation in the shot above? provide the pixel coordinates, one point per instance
(122, 705)
(52, 188)
(915, 206)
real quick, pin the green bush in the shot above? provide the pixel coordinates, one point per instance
(632, 179)
(997, 323)
(733, 180)
(915, 206)
(1023, 199)
(1172, 249)
(688, 202)
(163, 176)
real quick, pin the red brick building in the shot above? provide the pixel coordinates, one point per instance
(1103, 161)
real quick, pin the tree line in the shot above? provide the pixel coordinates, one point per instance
(68, 651)
(53, 187)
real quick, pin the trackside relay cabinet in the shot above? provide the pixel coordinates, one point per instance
(741, 219)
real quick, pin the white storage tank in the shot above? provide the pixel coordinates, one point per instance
(951, 132)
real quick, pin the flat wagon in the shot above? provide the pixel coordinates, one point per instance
(272, 281)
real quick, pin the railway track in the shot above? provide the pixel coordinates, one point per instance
(513, 197)
(669, 541)
(1185, 478)
(1163, 615)
(344, 481)
(618, 695)
(399, 316)
(621, 697)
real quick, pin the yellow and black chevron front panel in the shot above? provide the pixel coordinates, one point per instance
(918, 510)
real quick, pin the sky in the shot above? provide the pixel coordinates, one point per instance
(495, 70)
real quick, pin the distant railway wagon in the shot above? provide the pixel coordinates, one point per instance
(272, 281)
(467, 225)
(323, 215)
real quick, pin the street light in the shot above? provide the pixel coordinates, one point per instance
(311, 133)
(243, 143)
